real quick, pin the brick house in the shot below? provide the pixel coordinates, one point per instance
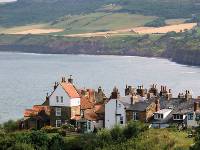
(62, 105)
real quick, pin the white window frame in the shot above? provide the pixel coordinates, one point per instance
(58, 111)
(58, 123)
(190, 116)
(135, 115)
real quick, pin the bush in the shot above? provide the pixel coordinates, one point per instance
(49, 129)
(103, 137)
(62, 132)
(156, 23)
(6, 142)
(117, 134)
(68, 127)
(56, 143)
(37, 138)
(21, 146)
(10, 126)
(133, 129)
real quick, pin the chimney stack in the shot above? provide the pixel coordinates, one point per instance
(157, 102)
(70, 80)
(115, 93)
(99, 89)
(63, 79)
(132, 100)
(196, 106)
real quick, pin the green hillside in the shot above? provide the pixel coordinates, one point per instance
(25, 12)
(100, 21)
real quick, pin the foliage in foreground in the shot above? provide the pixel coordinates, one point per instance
(135, 135)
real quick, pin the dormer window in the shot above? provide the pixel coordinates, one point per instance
(178, 117)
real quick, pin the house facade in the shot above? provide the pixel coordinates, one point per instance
(63, 104)
(115, 113)
(193, 117)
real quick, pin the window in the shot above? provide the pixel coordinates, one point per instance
(158, 116)
(197, 117)
(121, 120)
(58, 111)
(57, 99)
(190, 116)
(58, 123)
(82, 113)
(178, 117)
(89, 125)
(135, 116)
(61, 99)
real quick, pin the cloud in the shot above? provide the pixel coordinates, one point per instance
(6, 1)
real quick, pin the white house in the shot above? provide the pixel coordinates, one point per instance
(65, 94)
(64, 102)
(115, 113)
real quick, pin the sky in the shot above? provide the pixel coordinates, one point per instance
(6, 0)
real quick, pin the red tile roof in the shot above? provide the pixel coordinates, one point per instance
(30, 112)
(99, 108)
(70, 89)
(85, 103)
(35, 110)
(89, 114)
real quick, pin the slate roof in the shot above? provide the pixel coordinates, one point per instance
(179, 106)
(139, 106)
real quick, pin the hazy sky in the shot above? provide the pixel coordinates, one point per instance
(6, 0)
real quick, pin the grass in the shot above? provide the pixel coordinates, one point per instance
(100, 21)
(175, 21)
(156, 139)
(93, 22)
(21, 28)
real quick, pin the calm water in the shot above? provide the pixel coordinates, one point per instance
(26, 78)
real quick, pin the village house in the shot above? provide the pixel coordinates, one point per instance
(92, 110)
(89, 110)
(193, 117)
(62, 105)
(36, 118)
(173, 111)
(120, 110)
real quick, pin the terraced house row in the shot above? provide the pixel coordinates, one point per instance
(89, 109)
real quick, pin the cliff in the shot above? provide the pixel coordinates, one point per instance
(182, 47)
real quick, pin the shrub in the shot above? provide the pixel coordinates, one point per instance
(103, 137)
(62, 132)
(49, 129)
(156, 23)
(6, 142)
(21, 146)
(10, 126)
(56, 143)
(117, 134)
(37, 138)
(68, 127)
(133, 129)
